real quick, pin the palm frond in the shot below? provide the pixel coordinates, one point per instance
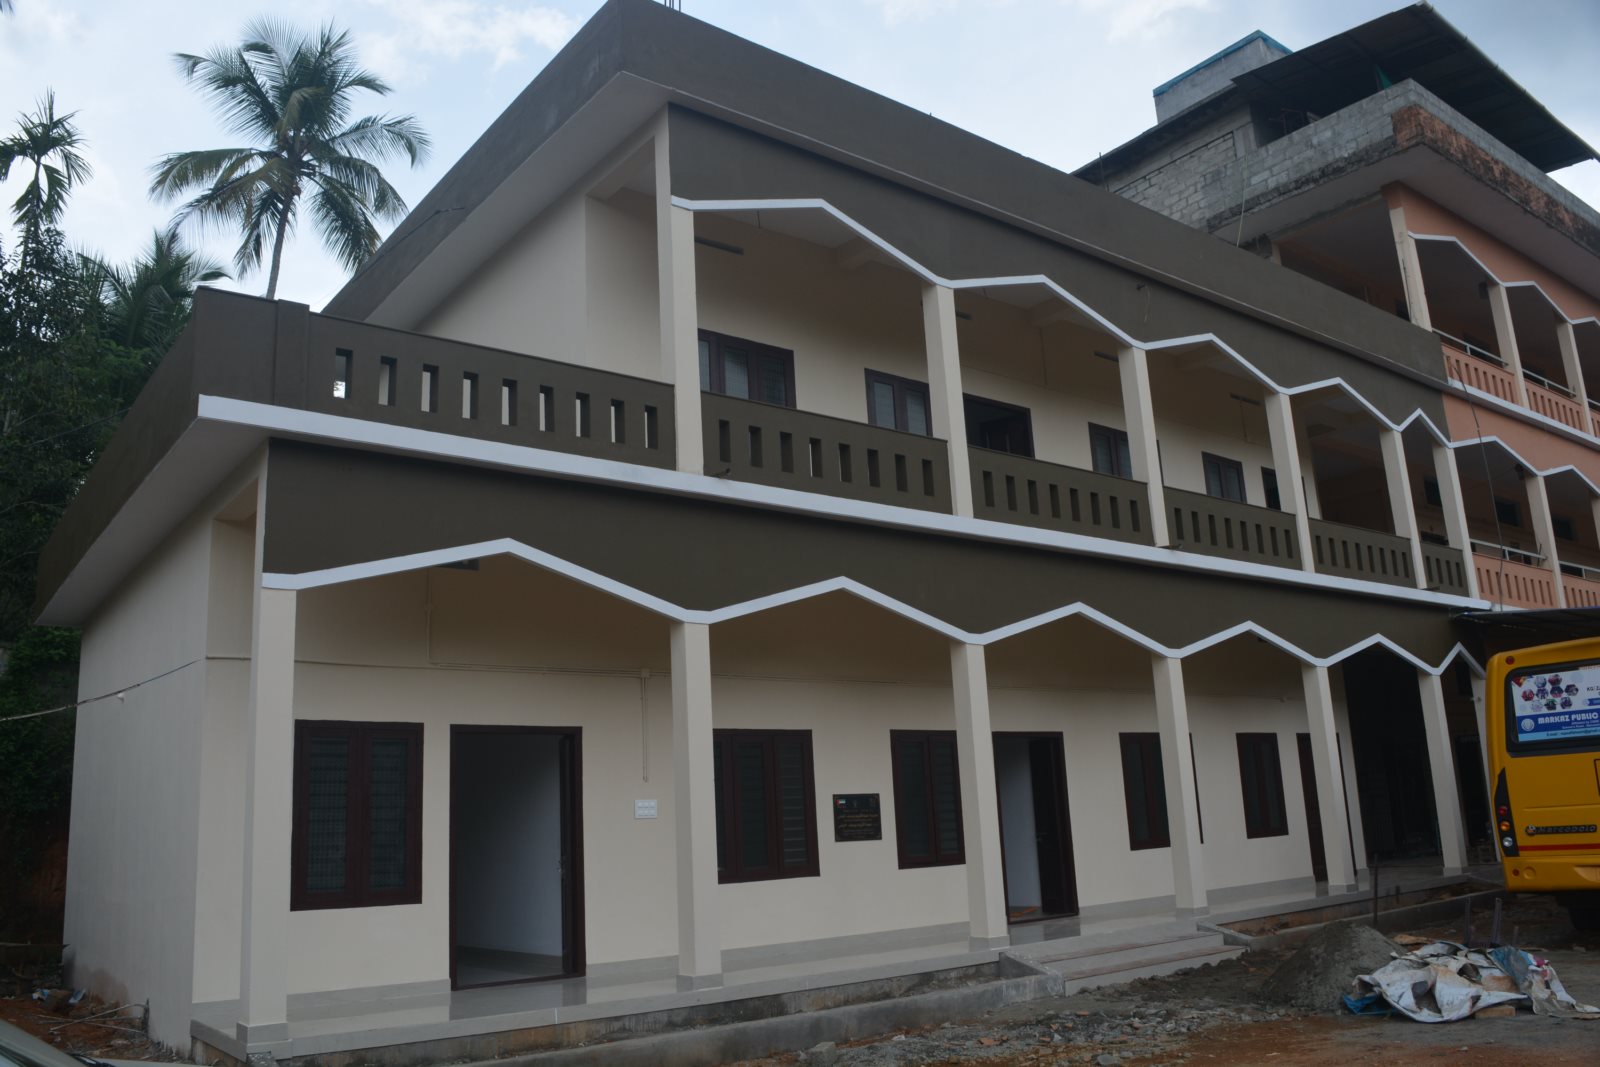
(344, 223)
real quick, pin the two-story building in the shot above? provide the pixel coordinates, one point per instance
(738, 522)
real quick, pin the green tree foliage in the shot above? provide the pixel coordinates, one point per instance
(291, 94)
(48, 144)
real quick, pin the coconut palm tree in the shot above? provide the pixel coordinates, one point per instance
(147, 302)
(291, 95)
(51, 143)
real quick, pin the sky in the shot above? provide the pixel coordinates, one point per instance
(1057, 80)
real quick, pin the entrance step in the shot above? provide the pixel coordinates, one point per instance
(1086, 967)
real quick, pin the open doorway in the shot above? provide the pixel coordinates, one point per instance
(1035, 826)
(515, 857)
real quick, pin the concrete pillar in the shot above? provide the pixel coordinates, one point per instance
(695, 804)
(1410, 269)
(1308, 479)
(980, 802)
(1567, 337)
(679, 314)
(1401, 508)
(1139, 415)
(1442, 765)
(1356, 833)
(1177, 771)
(1545, 530)
(1505, 335)
(949, 413)
(1286, 460)
(1453, 504)
(1480, 715)
(268, 822)
(1336, 841)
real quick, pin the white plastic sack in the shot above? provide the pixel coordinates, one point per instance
(1438, 983)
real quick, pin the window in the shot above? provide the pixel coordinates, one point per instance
(998, 427)
(1224, 477)
(1145, 791)
(745, 369)
(1269, 489)
(927, 798)
(1430, 491)
(898, 403)
(1262, 781)
(1562, 527)
(1507, 512)
(1109, 449)
(357, 838)
(766, 813)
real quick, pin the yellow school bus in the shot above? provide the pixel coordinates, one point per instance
(1543, 726)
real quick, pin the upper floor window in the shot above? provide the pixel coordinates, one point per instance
(998, 427)
(1430, 491)
(1269, 489)
(1109, 449)
(898, 403)
(1224, 477)
(733, 366)
(1507, 512)
(1562, 526)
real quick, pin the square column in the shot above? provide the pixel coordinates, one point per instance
(1410, 269)
(268, 822)
(1336, 840)
(1286, 458)
(949, 412)
(1545, 530)
(1505, 336)
(1568, 340)
(1138, 413)
(980, 802)
(1442, 765)
(1177, 773)
(1401, 508)
(679, 314)
(1453, 504)
(695, 808)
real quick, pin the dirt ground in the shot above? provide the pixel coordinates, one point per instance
(1221, 1014)
(81, 1029)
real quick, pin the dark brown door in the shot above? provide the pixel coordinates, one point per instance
(1058, 884)
(1308, 786)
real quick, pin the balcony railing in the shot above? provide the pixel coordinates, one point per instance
(1444, 568)
(1514, 584)
(1555, 402)
(1484, 371)
(1218, 527)
(778, 446)
(1354, 552)
(1032, 492)
(1594, 418)
(1583, 591)
(429, 383)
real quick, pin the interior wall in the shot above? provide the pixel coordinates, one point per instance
(507, 888)
(1014, 780)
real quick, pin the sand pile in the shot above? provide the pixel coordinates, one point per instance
(1320, 973)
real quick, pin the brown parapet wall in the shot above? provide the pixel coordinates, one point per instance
(1416, 127)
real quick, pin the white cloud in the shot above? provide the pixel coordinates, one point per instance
(1138, 18)
(897, 11)
(458, 29)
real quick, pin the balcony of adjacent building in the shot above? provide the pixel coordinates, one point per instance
(1509, 341)
(1508, 520)
(1575, 534)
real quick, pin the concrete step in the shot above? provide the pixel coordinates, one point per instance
(1129, 950)
(1090, 974)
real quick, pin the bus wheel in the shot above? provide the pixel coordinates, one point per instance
(1584, 909)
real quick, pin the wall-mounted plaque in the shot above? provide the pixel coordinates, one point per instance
(856, 817)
